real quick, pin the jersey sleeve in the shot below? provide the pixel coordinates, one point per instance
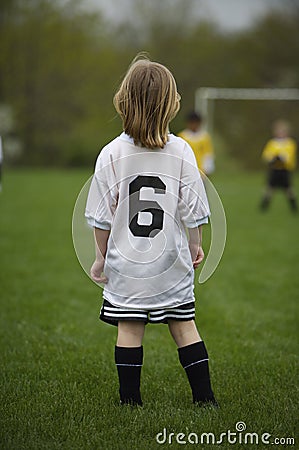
(193, 203)
(268, 152)
(209, 150)
(103, 194)
(292, 156)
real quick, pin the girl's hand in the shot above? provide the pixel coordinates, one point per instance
(197, 254)
(96, 272)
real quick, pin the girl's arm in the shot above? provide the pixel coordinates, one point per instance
(101, 239)
(195, 241)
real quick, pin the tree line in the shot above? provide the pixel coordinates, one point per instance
(61, 64)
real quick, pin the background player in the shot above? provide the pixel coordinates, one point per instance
(200, 142)
(280, 155)
(145, 191)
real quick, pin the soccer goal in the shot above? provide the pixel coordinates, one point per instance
(205, 98)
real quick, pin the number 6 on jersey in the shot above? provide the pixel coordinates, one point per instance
(137, 206)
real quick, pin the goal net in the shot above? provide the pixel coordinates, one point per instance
(243, 117)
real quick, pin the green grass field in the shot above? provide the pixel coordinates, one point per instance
(58, 380)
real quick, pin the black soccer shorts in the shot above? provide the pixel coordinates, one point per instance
(112, 314)
(279, 178)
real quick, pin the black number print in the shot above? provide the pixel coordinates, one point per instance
(136, 206)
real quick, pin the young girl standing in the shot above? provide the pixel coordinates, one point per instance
(147, 204)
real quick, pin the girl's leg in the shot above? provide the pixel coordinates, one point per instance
(194, 358)
(184, 332)
(128, 360)
(130, 333)
(292, 199)
(267, 196)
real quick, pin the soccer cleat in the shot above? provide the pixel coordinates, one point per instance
(264, 205)
(209, 403)
(131, 403)
(293, 205)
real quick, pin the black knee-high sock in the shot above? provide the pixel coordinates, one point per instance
(265, 203)
(194, 359)
(293, 204)
(129, 363)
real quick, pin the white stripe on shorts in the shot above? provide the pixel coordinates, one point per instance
(174, 310)
(120, 315)
(172, 316)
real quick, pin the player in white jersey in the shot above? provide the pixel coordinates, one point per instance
(145, 193)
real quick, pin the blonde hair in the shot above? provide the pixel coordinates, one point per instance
(147, 101)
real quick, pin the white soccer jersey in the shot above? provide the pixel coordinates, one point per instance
(147, 198)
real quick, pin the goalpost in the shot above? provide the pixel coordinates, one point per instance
(205, 96)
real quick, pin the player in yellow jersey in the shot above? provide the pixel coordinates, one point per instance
(200, 142)
(280, 155)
